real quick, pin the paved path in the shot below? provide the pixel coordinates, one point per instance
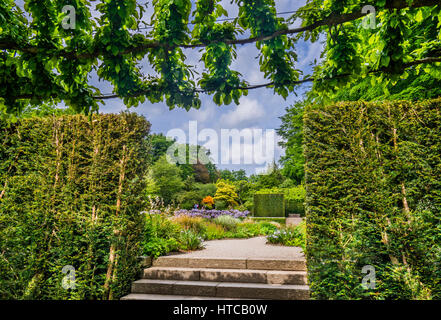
(226, 269)
(254, 248)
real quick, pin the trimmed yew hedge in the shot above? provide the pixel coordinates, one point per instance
(373, 181)
(71, 194)
(269, 205)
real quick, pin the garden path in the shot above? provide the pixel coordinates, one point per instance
(226, 269)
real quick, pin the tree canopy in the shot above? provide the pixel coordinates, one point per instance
(41, 61)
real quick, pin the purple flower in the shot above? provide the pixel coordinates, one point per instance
(212, 214)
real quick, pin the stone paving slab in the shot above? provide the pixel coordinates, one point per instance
(254, 248)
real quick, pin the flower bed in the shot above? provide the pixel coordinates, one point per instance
(212, 214)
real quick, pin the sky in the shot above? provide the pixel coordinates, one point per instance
(261, 109)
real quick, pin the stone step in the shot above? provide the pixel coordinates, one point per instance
(230, 263)
(143, 296)
(221, 289)
(226, 275)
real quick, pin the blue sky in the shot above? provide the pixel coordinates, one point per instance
(261, 109)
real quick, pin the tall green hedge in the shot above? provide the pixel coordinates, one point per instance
(373, 181)
(295, 207)
(269, 205)
(71, 194)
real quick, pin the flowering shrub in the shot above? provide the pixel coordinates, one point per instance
(212, 214)
(293, 237)
(208, 201)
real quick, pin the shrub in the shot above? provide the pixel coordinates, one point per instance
(195, 224)
(294, 198)
(269, 205)
(208, 202)
(226, 192)
(159, 226)
(369, 167)
(189, 240)
(263, 219)
(290, 236)
(160, 235)
(214, 231)
(228, 222)
(267, 228)
(156, 247)
(221, 205)
(72, 189)
(188, 199)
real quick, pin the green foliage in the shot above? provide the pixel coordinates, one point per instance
(195, 224)
(291, 132)
(271, 178)
(160, 145)
(233, 175)
(399, 36)
(214, 231)
(373, 198)
(204, 190)
(71, 194)
(229, 223)
(40, 61)
(188, 199)
(156, 247)
(190, 240)
(294, 198)
(263, 219)
(290, 236)
(160, 236)
(225, 192)
(269, 205)
(167, 179)
(293, 193)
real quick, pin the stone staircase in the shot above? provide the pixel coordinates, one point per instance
(204, 278)
(294, 220)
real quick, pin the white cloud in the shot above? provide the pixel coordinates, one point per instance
(249, 110)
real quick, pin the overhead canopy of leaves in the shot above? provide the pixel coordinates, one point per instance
(40, 61)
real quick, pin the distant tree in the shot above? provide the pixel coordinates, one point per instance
(160, 145)
(167, 179)
(291, 132)
(244, 190)
(201, 173)
(233, 175)
(213, 172)
(273, 177)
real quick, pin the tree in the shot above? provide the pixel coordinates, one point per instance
(167, 179)
(271, 178)
(243, 189)
(160, 145)
(291, 132)
(233, 175)
(226, 192)
(201, 173)
(43, 60)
